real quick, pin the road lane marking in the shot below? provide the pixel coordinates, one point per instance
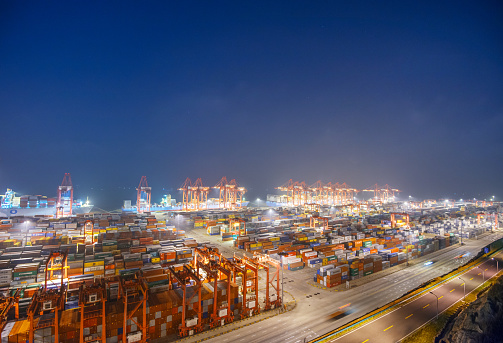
(486, 269)
(440, 297)
(479, 273)
(426, 306)
(471, 279)
(410, 315)
(462, 284)
(365, 341)
(452, 290)
(388, 328)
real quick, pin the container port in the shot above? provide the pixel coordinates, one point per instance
(160, 276)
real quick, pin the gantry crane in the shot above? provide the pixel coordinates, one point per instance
(133, 291)
(249, 287)
(483, 203)
(195, 195)
(288, 188)
(47, 303)
(495, 215)
(383, 194)
(92, 299)
(183, 277)
(211, 259)
(88, 232)
(65, 197)
(266, 262)
(318, 193)
(312, 208)
(238, 226)
(6, 304)
(347, 193)
(186, 194)
(314, 220)
(200, 195)
(393, 216)
(429, 203)
(57, 261)
(230, 194)
(297, 192)
(143, 194)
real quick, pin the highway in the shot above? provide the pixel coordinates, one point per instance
(406, 319)
(309, 319)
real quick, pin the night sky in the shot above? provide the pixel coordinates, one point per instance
(398, 92)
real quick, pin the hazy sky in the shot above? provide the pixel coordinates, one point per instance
(399, 92)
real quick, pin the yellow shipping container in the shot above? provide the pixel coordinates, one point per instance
(94, 264)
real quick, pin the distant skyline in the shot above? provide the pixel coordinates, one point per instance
(409, 95)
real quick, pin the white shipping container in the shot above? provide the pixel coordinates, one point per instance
(191, 322)
(134, 337)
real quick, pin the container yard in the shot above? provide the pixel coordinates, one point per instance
(122, 278)
(161, 276)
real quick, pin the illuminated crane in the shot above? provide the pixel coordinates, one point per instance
(347, 193)
(230, 193)
(318, 193)
(186, 194)
(288, 188)
(199, 195)
(143, 196)
(194, 195)
(65, 197)
(383, 194)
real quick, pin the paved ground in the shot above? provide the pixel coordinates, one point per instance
(313, 305)
(403, 321)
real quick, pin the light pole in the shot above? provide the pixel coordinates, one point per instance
(461, 243)
(282, 287)
(464, 288)
(497, 266)
(437, 302)
(483, 274)
(26, 233)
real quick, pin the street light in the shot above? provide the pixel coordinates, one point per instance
(26, 233)
(437, 302)
(483, 274)
(464, 288)
(497, 266)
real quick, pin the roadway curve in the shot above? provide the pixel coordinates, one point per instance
(397, 324)
(309, 319)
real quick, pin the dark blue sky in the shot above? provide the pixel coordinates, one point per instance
(358, 92)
